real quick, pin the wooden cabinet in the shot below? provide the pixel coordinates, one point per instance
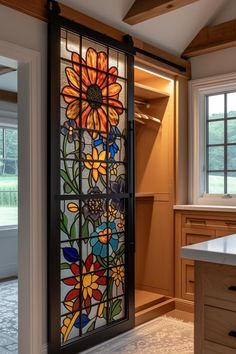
(193, 227)
(215, 311)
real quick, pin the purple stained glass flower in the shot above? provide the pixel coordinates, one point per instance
(69, 129)
(94, 207)
(118, 187)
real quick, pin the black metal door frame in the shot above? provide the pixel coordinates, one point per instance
(54, 323)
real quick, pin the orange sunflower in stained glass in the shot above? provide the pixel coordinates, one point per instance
(92, 92)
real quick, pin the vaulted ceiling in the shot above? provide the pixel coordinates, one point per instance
(171, 31)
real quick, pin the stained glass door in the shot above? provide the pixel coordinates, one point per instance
(91, 187)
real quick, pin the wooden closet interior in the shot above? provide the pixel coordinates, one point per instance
(154, 128)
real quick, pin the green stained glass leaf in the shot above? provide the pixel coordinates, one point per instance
(73, 232)
(67, 180)
(91, 327)
(110, 288)
(85, 230)
(67, 189)
(116, 308)
(121, 251)
(90, 180)
(64, 223)
(111, 261)
(65, 266)
(102, 261)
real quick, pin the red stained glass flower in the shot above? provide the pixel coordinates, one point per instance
(92, 92)
(91, 278)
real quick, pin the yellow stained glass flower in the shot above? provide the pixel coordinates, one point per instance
(121, 224)
(96, 167)
(118, 273)
(111, 213)
(89, 283)
(113, 170)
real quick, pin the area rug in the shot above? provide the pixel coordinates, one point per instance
(164, 335)
(9, 317)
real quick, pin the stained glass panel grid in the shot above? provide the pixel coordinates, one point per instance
(93, 162)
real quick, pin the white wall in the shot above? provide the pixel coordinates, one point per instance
(8, 253)
(30, 33)
(227, 13)
(216, 63)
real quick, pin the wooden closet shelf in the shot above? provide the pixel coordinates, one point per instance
(147, 92)
(144, 195)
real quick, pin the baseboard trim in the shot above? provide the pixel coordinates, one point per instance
(8, 270)
(184, 305)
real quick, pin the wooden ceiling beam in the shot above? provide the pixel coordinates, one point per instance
(143, 10)
(38, 11)
(213, 38)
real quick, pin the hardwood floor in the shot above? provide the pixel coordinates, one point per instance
(145, 299)
(181, 315)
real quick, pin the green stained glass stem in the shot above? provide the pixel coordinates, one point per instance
(71, 182)
(76, 143)
(103, 182)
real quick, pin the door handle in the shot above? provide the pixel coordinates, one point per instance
(232, 288)
(232, 334)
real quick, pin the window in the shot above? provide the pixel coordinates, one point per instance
(212, 132)
(221, 143)
(8, 176)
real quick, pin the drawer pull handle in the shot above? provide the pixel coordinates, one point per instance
(202, 221)
(232, 334)
(191, 281)
(230, 223)
(232, 287)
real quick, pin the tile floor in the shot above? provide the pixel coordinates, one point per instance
(9, 317)
(9, 326)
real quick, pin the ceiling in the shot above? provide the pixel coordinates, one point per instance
(172, 31)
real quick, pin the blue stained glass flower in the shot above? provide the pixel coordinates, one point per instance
(85, 320)
(71, 254)
(103, 239)
(109, 144)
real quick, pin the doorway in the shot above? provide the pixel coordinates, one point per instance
(31, 218)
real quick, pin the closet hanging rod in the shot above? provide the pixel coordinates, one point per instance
(141, 102)
(139, 116)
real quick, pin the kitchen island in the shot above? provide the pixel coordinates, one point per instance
(215, 294)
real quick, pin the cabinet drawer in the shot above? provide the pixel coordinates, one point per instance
(220, 326)
(197, 221)
(214, 348)
(220, 284)
(188, 280)
(191, 236)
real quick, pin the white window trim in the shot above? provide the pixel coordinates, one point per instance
(198, 89)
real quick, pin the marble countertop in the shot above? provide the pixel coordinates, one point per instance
(220, 250)
(197, 207)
